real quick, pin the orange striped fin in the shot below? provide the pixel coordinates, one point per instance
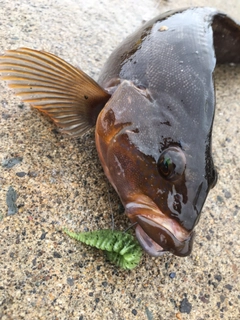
(66, 94)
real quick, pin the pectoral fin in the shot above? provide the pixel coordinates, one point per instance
(66, 94)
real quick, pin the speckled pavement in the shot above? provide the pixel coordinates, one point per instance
(58, 182)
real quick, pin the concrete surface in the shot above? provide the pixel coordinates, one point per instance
(59, 182)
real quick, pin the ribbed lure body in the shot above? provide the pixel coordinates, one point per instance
(121, 248)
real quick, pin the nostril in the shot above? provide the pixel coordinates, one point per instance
(177, 206)
(175, 203)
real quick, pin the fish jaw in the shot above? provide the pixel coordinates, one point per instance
(161, 237)
(156, 232)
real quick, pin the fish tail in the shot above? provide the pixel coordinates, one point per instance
(66, 94)
(226, 35)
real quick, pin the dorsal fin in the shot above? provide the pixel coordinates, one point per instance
(66, 94)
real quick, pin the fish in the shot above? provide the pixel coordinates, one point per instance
(153, 110)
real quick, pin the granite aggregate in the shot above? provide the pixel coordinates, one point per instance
(58, 182)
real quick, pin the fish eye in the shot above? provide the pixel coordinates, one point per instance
(171, 163)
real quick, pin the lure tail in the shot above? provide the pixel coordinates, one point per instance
(121, 248)
(66, 94)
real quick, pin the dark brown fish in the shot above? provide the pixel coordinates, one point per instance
(153, 109)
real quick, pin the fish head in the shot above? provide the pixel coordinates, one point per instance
(161, 175)
(168, 207)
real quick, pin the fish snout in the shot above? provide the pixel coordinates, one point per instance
(156, 239)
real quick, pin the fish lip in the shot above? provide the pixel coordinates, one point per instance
(149, 246)
(157, 236)
(156, 232)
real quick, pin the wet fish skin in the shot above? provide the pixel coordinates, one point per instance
(165, 101)
(153, 107)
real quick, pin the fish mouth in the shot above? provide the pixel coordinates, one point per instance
(157, 233)
(156, 239)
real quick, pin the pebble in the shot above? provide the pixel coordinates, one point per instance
(9, 163)
(185, 306)
(11, 201)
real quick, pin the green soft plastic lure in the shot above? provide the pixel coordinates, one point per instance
(121, 248)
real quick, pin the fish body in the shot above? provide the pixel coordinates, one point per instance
(153, 107)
